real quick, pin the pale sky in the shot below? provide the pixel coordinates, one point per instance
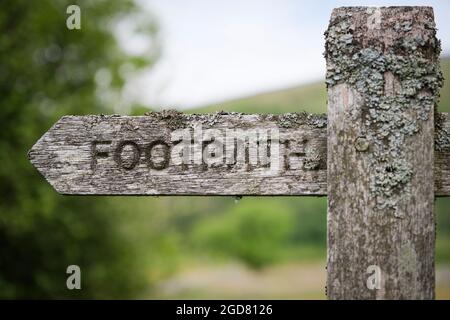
(216, 50)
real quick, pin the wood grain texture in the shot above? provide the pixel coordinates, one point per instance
(371, 223)
(80, 155)
(64, 156)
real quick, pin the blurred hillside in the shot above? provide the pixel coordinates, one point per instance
(309, 98)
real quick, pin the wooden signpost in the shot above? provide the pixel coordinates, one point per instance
(171, 153)
(380, 156)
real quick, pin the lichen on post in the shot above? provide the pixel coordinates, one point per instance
(383, 80)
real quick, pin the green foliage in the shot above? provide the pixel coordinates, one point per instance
(443, 230)
(310, 221)
(47, 71)
(251, 231)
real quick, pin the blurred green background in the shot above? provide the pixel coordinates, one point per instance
(142, 247)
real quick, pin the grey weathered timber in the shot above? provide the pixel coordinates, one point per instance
(124, 155)
(64, 156)
(383, 81)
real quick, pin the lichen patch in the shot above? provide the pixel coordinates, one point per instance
(399, 79)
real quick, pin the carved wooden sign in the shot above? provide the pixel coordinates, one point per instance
(170, 153)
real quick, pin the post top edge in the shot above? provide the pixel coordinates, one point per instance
(383, 7)
(355, 9)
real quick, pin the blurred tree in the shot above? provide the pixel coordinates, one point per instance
(47, 71)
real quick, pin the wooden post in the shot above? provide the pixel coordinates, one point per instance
(383, 81)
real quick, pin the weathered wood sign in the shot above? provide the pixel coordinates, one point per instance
(381, 155)
(171, 153)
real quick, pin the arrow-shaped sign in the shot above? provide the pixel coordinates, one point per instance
(170, 153)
